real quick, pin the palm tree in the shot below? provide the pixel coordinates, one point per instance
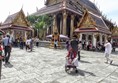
(40, 23)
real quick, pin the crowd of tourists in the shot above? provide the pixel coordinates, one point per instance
(27, 43)
(74, 47)
(7, 43)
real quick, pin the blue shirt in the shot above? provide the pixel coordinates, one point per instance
(6, 41)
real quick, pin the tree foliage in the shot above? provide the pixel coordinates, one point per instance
(40, 22)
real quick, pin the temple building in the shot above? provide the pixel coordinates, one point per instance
(115, 36)
(76, 16)
(17, 26)
(92, 28)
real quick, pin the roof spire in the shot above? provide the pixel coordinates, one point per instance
(94, 1)
(22, 6)
(9, 13)
(37, 9)
(64, 3)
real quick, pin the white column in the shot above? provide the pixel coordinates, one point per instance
(87, 42)
(94, 40)
(105, 38)
(72, 25)
(54, 23)
(80, 38)
(86, 38)
(101, 39)
(25, 35)
(64, 22)
(61, 26)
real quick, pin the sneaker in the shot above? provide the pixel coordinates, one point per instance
(7, 63)
(106, 62)
(76, 71)
(111, 61)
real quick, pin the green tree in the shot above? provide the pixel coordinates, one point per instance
(41, 23)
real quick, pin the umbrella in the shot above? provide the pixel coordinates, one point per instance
(61, 36)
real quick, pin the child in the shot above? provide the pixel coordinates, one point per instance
(71, 61)
(1, 49)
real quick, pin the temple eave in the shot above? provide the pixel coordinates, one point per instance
(41, 12)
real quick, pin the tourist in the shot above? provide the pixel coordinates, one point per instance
(113, 46)
(79, 49)
(28, 44)
(108, 49)
(37, 41)
(68, 45)
(55, 44)
(31, 44)
(21, 43)
(74, 44)
(7, 44)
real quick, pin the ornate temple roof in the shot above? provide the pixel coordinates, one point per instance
(92, 23)
(10, 19)
(78, 7)
(115, 32)
(89, 6)
(75, 6)
(16, 21)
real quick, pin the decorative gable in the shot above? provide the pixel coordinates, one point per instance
(115, 32)
(20, 20)
(87, 22)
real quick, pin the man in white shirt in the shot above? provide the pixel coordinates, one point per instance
(108, 49)
(28, 41)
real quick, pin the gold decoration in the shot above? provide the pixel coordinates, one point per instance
(78, 35)
(96, 35)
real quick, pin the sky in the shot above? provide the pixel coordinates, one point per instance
(8, 7)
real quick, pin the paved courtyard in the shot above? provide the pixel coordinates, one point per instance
(45, 65)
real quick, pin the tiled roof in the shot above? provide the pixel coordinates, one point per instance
(10, 18)
(89, 5)
(48, 9)
(75, 6)
(69, 5)
(99, 25)
(9, 26)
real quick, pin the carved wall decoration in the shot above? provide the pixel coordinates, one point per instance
(20, 21)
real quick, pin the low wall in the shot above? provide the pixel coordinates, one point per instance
(47, 44)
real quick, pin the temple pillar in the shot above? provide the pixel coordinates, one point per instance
(54, 23)
(94, 40)
(86, 38)
(25, 35)
(64, 22)
(87, 42)
(106, 38)
(61, 22)
(13, 35)
(101, 39)
(80, 37)
(72, 25)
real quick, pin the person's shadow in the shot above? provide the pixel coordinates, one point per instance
(115, 53)
(8, 65)
(82, 61)
(114, 64)
(82, 73)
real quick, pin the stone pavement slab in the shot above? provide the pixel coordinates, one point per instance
(45, 65)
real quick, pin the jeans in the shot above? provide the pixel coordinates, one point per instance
(7, 51)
